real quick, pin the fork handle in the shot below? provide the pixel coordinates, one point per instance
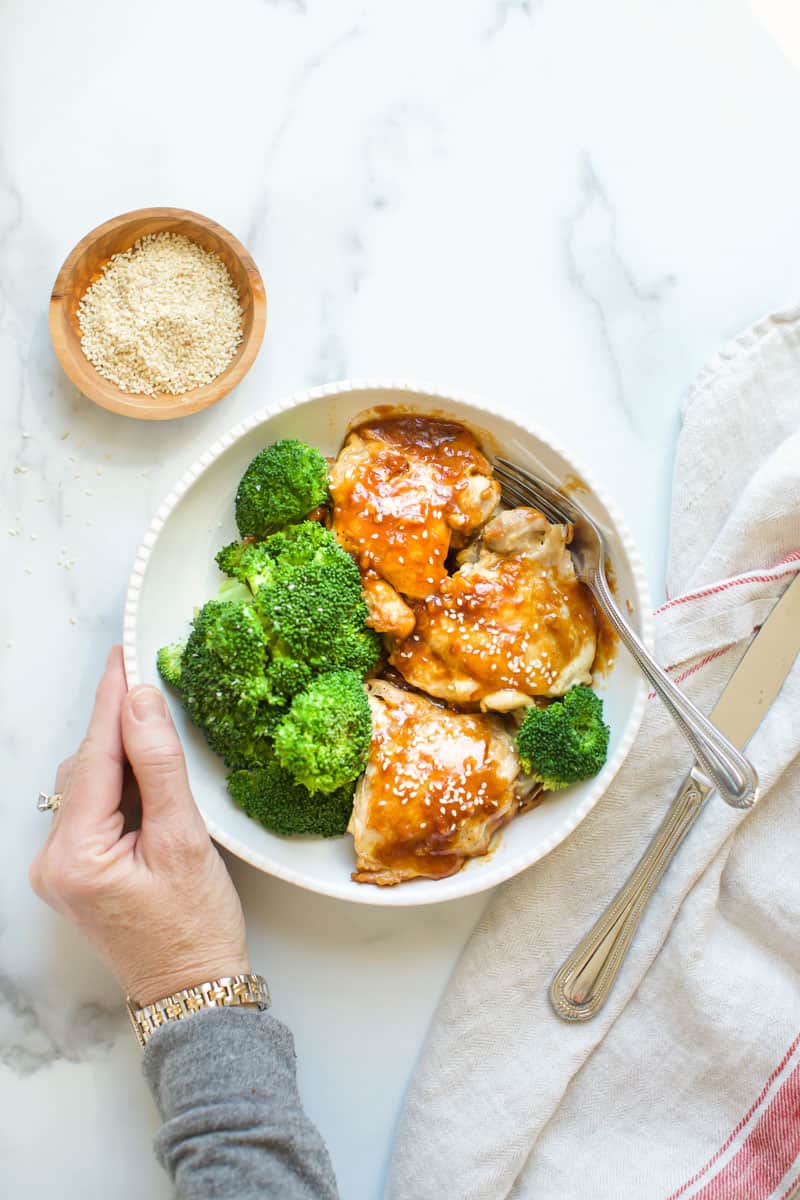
(728, 769)
(582, 985)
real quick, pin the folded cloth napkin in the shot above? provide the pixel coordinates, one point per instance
(687, 1084)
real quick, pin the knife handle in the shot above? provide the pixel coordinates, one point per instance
(582, 985)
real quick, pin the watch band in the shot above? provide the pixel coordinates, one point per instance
(234, 990)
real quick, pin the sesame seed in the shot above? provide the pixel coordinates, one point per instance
(186, 287)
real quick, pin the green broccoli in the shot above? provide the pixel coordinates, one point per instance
(253, 563)
(317, 611)
(286, 677)
(271, 670)
(309, 597)
(323, 740)
(358, 650)
(564, 742)
(269, 794)
(223, 685)
(168, 661)
(301, 543)
(230, 556)
(282, 484)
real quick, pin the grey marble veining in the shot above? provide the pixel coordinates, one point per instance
(564, 207)
(33, 1036)
(625, 308)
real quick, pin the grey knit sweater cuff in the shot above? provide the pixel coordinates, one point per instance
(225, 1084)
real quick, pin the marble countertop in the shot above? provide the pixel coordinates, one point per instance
(564, 206)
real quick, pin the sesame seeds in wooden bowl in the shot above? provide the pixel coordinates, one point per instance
(180, 314)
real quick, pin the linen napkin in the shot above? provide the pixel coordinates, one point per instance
(687, 1083)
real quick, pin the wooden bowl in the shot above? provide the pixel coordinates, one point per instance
(85, 264)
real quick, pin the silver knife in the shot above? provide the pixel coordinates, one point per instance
(582, 985)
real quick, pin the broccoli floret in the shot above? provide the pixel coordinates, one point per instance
(317, 611)
(566, 741)
(253, 563)
(256, 567)
(223, 685)
(230, 636)
(229, 557)
(301, 543)
(269, 794)
(309, 596)
(248, 563)
(281, 485)
(168, 661)
(286, 677)
(357, 650)
(323, 740)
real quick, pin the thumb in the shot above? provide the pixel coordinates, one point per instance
(154, 751)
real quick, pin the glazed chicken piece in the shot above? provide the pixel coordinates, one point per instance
(388, 611)
(511, 623)
(405, 489)
(438, 784)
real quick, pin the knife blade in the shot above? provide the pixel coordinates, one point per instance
(760, 675)
(581, 986)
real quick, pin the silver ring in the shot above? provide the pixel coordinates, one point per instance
(47, 803)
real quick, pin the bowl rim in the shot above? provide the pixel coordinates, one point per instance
(472, 882)
(104, 392)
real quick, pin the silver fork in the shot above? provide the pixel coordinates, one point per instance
(728, 770)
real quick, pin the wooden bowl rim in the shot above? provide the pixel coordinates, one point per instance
(160, 407)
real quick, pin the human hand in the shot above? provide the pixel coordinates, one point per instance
(156, 902)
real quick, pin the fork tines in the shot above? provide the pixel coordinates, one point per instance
(519, 487)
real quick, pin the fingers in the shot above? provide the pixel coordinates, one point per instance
(93, 785)
(63, 774)
(155, 754)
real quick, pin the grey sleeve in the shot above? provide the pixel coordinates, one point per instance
(225, 1084)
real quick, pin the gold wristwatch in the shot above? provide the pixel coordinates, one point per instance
(233, 991)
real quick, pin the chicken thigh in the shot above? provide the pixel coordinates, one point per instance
(438, 784)
(513, 622)
(405, 489)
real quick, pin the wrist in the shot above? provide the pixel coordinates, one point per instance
(147, 989)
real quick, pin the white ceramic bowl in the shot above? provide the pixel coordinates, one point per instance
(175, 571)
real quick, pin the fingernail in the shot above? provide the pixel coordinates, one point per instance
(147, 704)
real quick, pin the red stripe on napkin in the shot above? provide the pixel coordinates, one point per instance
(691, 670)
(793, 1189)
(767, 576)
(767, 1152)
